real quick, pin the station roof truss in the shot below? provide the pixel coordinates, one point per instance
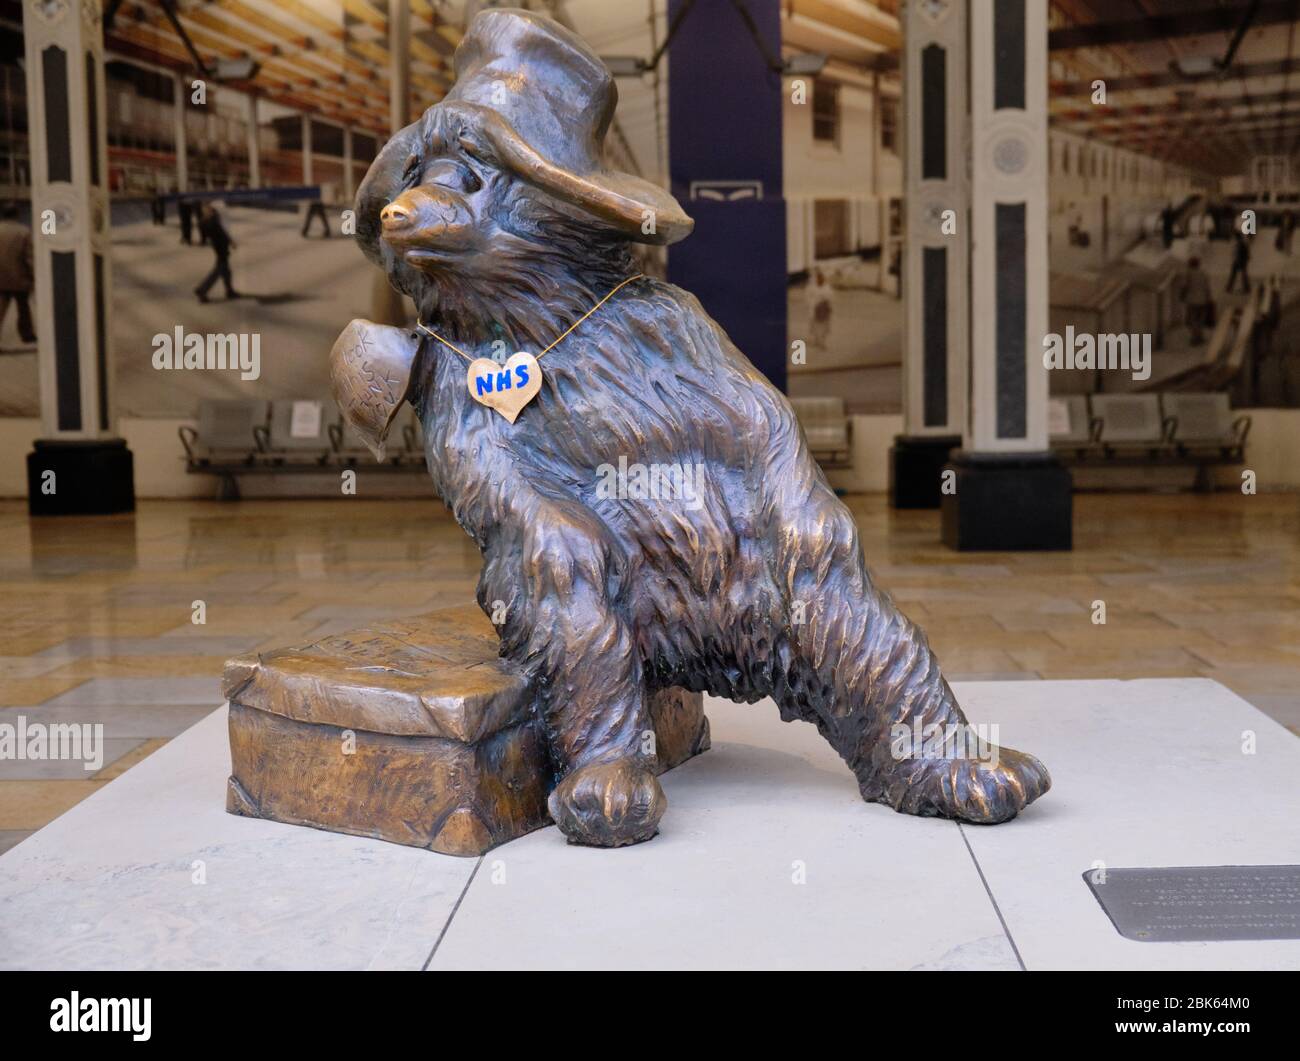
(1194, 83)
(328, 58)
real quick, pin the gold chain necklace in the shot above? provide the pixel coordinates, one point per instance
(508, 387)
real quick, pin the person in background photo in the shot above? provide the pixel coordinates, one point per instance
(316, 209)
(1285, 231)
(216, 236)
(1240, 262)
(16, 275)
(820, 294)
(1266, 328)
(1196, 300)
(185, 210)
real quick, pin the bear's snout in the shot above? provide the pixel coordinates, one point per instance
(426, 219)
(394, 217)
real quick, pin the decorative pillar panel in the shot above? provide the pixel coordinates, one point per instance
(935, 277)
(70, 242)
(349, 181)
(306, 149)
(399, 61)
(254, 145)
(78, 466)
(1005, 490)
(179, 89)
(936, 248)
(1009, 265)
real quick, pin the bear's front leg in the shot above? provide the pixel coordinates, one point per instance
(866, 677)
(557, 581)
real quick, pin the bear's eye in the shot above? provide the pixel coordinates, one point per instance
(449, 173)
(412, 168)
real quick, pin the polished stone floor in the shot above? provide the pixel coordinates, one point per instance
(97, 616)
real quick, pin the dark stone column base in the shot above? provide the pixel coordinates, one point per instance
(915, 466)
(91, 478)
(1008, 503)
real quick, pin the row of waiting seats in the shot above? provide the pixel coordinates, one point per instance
(828, 429)
(1148, 429)
(239, 437)
(236, 438)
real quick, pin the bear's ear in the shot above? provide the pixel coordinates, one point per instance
(371, 370)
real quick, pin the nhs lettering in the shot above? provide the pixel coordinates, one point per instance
(484, 384)
(506, 388)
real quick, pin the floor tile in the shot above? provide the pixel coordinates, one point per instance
(1192, 584)
(93, 749)
(198, 645)
(12, 837)
(1144, 774)
(16, 691)
(121, 721)
(32, 804)
(135, 691)
(192, 887)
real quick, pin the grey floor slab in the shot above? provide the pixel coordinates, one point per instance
(151, 873)
(1145, 773)
(768, 858)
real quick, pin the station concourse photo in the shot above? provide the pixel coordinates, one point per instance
(651, 484)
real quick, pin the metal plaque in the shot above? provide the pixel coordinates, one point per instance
(1184, 903)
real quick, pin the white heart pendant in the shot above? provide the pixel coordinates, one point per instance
(506, 388)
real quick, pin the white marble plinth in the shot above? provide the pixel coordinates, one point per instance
(767, 859)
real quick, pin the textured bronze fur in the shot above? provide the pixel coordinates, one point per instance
(754, 588)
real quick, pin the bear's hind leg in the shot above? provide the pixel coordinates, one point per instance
(865, 675)
(561, 624)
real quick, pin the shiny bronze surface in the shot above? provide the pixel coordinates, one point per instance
(370, 371)
(653, 519)
(413, 731)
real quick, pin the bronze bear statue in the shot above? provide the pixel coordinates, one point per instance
(736, 570)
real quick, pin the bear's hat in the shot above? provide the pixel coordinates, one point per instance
(543, 102)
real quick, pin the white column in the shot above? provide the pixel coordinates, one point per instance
(936, 229)
(179, 88)
(254, 145)
(306, 149)
(1009, 266)
(1004, 489)
(399, 64)
(349, 182)
(882, 203)
(876, 124)
(70, 209)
